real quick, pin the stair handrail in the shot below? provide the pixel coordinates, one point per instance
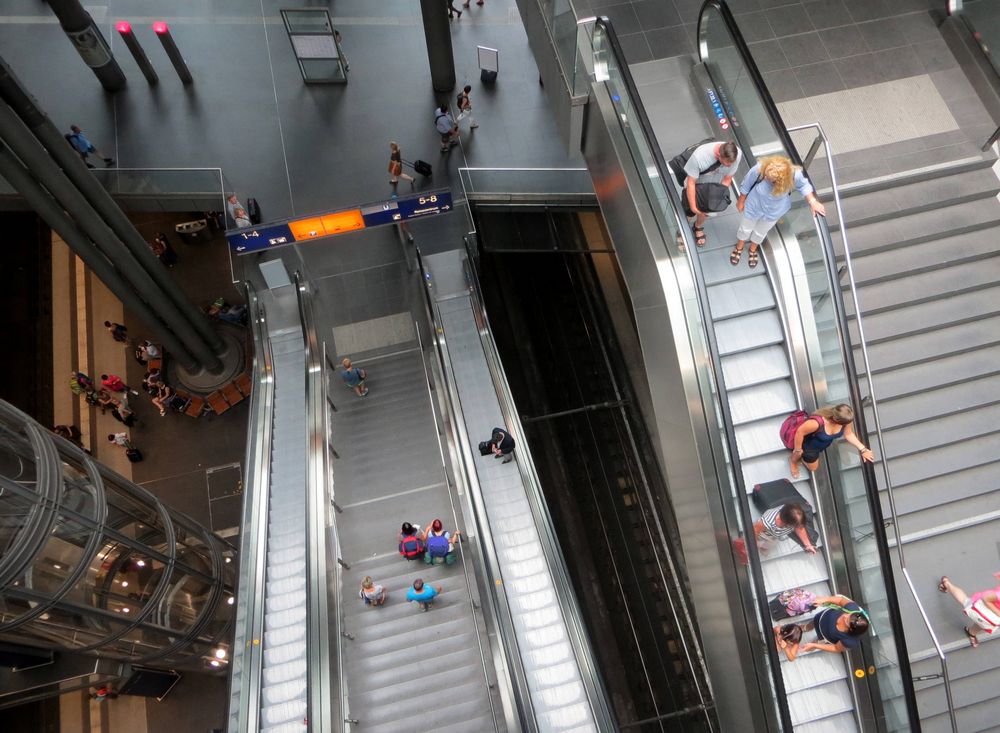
(831, 259)
(323, 708)
(771, 110)
(500, 607)
(569, 605)
(246, 650)
(715, 369)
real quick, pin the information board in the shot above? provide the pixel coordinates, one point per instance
(317, 226)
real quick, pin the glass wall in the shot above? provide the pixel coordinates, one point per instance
(93, 563)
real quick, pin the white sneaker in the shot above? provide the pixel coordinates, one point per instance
(473, 127)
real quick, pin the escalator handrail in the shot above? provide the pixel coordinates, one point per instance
(497, 594)
(755, 572)
(244, 702)
(320, 706)
(569, 605)
(847, 356)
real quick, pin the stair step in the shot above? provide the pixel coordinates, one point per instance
(928, 286)
(932, 345)
(908, 319)
(882, 266)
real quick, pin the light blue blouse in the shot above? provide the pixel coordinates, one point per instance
(761, 203)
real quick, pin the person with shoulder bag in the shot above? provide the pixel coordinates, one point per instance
(705, 171)
(396, 165)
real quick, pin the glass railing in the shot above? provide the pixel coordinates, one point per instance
(249, 626)
(189, 189)
(602, 61)
(505, 184)
(981, 20)
(813, 289)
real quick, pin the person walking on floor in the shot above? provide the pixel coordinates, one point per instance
(396, 165)
(446, 127)
(118, 332)
(354, 377)
(84, 147)
(765, 197)
(983, 608)
(115, 383)
(121, 439)
(465, 107)
(422, 595)
(816, 434)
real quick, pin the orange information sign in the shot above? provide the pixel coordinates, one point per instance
(343, 221)
(307, 228)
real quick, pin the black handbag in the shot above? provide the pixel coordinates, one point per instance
(712, 197)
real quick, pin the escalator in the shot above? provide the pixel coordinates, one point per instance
(543, 279)
(279, 676)
(762, 343)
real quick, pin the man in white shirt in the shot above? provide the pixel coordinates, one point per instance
(711, 162)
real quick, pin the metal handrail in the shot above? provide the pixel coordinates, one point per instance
(873, 400)
(498, 592)
(871, 485)
(569, 605)
(244, 703)
(715, 367)
(466, 570)
(320, 711)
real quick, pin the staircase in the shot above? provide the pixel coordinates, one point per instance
(926, 261)
(283, 688)
(757, 374)
(403, 668)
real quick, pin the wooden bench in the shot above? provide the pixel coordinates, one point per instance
(232, 394)
(243, 384)
(195, 405)
(217, 402)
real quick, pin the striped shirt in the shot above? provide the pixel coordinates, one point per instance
(771, 529)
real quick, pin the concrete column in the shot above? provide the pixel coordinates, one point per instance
(55, 217)
(437, 33)
(49, 135)
(89, 43)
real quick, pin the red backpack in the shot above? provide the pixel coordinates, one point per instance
(792, 423)
(411, 547)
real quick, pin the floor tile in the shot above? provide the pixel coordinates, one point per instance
(818, 78)
(805, 48)
(843, 41)
(882, 34)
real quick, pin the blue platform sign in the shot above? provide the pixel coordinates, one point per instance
(428, 204)
(252, 239)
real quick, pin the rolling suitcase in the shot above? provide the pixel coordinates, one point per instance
(775, 493)
(423, 168)
(487, 76)
(134, 455)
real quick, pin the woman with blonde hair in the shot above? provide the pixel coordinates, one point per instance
(396, 164)
(372, 593)
(765, 197)
(818, 432)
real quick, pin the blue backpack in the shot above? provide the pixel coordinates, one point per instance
(437, 546)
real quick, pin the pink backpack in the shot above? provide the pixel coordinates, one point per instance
(797, 601)
(792, 423)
